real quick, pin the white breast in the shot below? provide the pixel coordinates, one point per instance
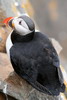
(9, 44)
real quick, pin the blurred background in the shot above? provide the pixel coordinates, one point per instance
(50, 17)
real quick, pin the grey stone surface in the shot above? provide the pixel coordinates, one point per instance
(19, 89)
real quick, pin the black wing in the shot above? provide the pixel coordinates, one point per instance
(52, 56)
(27, 69)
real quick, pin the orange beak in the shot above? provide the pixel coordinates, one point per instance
(7, 20)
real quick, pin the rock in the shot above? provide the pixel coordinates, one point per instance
(5, 66)
(4, 97)
(4, 32)
(19, 89)
(2, 15)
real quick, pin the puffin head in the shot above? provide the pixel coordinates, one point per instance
(23, 25)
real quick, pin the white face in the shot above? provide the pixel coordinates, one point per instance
(20, 26)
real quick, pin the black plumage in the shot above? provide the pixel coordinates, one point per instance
(37, 62)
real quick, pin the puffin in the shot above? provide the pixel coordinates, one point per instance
(33, 56)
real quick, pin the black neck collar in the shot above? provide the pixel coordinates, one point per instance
(15, 37)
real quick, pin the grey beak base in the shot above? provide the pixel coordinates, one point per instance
(10, 22)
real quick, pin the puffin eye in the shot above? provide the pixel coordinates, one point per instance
(20, 22)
